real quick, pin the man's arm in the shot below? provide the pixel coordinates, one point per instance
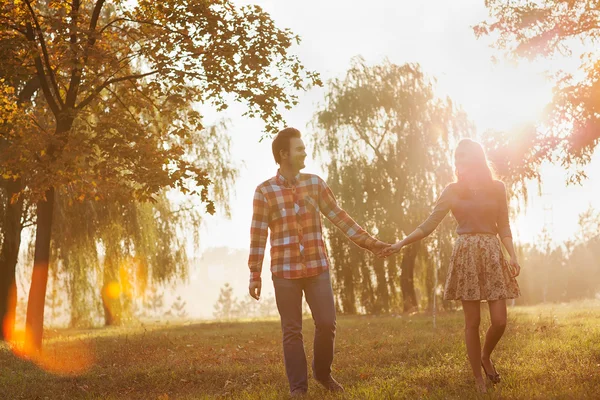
(259, 231)
(345, 223)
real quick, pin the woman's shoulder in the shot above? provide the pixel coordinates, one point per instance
(498, 184)
(451, 187)
(450, 190)
(499, 189)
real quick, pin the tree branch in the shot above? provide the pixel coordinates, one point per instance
(97, 91)
(122, 104)
(367, 141)
(76, 70)
(45, 53)
(143, 23)
(137, 89)
(94, 22)
(42, 76)
(15, 28)
(28, 90)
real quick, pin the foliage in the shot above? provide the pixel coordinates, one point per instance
(178, 308)
(226, 303)
(228, 306)
(544, 29)
(118, 86)
(563, 273)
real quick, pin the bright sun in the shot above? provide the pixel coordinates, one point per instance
(515, 95)
(510, 96)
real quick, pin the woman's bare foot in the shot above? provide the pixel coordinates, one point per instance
(490, 369)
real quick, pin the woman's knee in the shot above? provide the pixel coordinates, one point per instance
(499, 323)
(472, 324)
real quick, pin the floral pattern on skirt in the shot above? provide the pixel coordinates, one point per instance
(479, 271)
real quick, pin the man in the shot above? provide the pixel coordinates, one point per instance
(289, 204)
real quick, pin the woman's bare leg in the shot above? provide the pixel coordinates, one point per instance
(472, 319)
(495, 331)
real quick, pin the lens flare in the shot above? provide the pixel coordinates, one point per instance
(66, 358)
(62, 357)
(113, 290)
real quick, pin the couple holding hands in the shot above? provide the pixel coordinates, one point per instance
(290, 205)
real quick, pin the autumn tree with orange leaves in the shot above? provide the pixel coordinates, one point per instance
(116, 81)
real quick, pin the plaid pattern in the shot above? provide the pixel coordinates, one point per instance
(291, 210)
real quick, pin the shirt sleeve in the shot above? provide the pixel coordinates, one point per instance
(503, 223)
(442, 206)
(340, 218)
(259, 231)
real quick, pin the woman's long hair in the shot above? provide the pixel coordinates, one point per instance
(479, 169)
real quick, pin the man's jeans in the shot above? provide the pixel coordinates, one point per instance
(319, 296)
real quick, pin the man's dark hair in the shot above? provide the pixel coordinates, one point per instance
(282, 142)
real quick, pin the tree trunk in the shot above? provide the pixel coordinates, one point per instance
(392, 272)
(407, 284)
(382, 302)
(34, 325)
(8, 259)
(39, 279)
(344, 272)
(111, 299)
(11, 244)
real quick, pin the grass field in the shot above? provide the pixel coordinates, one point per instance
(550, 351)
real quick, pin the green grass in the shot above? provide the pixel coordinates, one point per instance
(550, 351)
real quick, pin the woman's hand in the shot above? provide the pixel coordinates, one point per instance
(393, 249)
(514, 268)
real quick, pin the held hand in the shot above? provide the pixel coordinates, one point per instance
(393, 249)
(379, 247)
(254, 289)
(514, 267)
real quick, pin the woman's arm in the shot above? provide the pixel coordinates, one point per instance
(441, 209)
(505, 232)
(508, 245)
(515, 267)
(414, 236)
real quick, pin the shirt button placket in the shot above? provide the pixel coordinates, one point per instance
(299, 228)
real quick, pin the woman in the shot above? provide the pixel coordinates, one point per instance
(478, 270)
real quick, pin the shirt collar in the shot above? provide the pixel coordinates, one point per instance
(284, 182)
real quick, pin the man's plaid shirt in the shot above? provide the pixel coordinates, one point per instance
(291, 210)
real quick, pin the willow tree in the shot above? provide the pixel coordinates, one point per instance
(105, 59)
(543, 29)
(109, 253)
(387, 140)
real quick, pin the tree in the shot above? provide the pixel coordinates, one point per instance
(136, 67)
(226, 305)
(178, 308)
(154, 301)
(141, 242)
(15, 213)
(386, 139)
(532, 29)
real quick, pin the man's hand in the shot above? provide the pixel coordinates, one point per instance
(393, 249)
(254, 289)
(379, 248)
